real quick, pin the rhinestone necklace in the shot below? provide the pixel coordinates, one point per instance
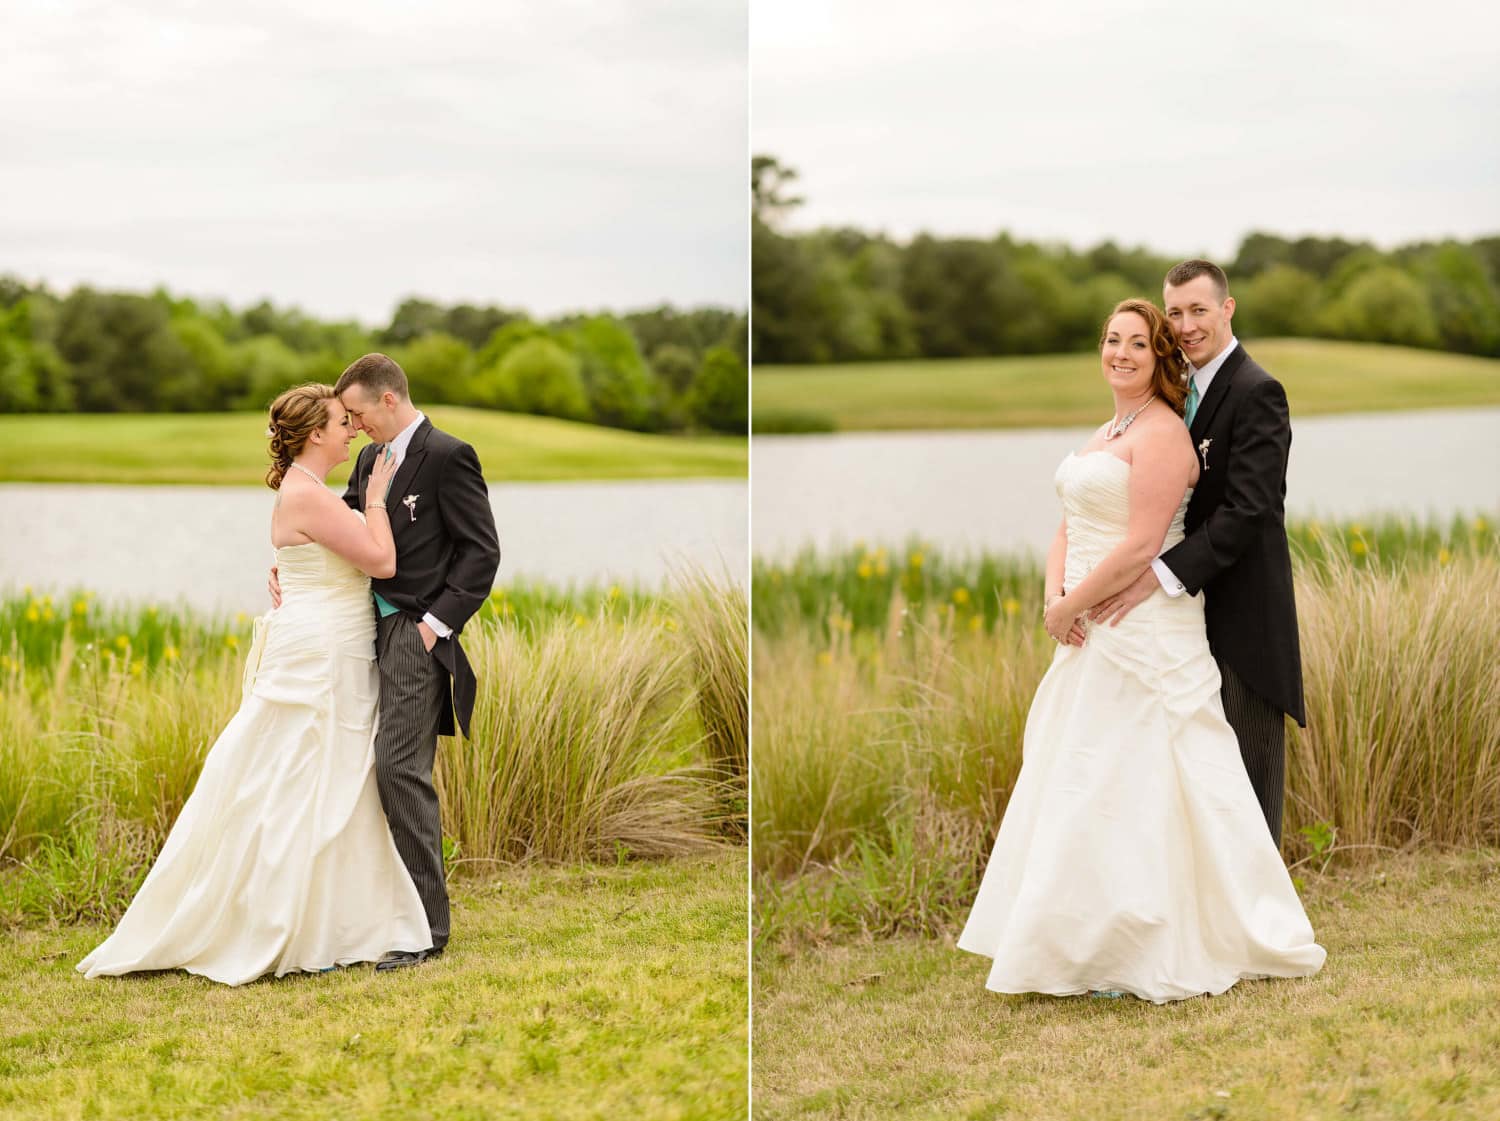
(1116, 428)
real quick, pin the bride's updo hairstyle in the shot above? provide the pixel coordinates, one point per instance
(295, 415)
(1169, 379)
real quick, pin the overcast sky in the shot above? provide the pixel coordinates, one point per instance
(339, 156)
(1176, 126)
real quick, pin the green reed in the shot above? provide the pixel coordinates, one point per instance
(855, 587)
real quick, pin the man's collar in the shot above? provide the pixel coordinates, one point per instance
(1211, 367)
(403, 438)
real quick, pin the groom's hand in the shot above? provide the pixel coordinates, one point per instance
(273, 585)
(429, 636)
(1122, 603)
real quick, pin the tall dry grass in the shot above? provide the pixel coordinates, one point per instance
(883, 760)
(714, 619)
(595, 737)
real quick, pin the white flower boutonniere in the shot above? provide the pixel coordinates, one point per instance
(1203, 451)
(410, 502)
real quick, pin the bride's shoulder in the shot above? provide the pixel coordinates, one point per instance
(1164, 437)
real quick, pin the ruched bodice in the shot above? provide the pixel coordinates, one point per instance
(1095, 493)
(314, 577)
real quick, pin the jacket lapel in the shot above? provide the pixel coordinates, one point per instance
(416, 451)
(1216, 393)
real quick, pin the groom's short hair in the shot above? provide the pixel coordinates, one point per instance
(375, 373)
(1180, 274)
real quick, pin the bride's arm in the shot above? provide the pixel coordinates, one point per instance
(367, 545)
(1159, 474)
(1057, 562)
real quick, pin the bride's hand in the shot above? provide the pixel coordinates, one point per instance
(1061, 622)
(380, 476)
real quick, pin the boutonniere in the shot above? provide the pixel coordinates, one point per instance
(410, 502)
(1203, 451)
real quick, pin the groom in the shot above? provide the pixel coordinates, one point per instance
(1235, 550)
(447, 553)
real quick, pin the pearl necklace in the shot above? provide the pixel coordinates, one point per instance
(309, 474)
(1116, 428)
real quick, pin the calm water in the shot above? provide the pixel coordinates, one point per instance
(210, 546)
(993, 490)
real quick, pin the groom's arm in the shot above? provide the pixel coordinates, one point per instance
(466, 514)
(1256, 466)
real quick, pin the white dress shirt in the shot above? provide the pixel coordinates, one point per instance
(398, 447)
(1202, 379)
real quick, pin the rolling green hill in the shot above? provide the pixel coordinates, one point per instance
(230, 448)
(1059, 390)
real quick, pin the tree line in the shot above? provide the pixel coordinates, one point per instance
(94, 351)
(843, 295)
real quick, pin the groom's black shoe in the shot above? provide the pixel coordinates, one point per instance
(405, 959)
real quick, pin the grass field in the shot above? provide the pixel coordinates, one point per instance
(1402, 1022)
(1066, 389)
(230, 449)
(581, 992)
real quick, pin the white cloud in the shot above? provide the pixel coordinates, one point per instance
(1179, 127)
(343, 155)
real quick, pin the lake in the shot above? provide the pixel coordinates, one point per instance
(210, 546)
(993, 490)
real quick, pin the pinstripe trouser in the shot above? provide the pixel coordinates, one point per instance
(1261, 729)
(413, 690)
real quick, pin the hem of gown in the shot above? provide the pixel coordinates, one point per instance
(1141, 992)
(93, 973)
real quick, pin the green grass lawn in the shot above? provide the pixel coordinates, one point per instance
(1402, 1022)
(1067, 389)
(566, 993)
(230, 449)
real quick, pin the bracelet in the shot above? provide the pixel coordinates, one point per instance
(374, 505)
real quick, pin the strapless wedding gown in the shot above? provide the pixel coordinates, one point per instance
(1133, 854)
(281, 859)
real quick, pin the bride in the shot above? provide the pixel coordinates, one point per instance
(281, 859)
(1133, 856)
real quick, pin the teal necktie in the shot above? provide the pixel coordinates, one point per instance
(1191, 409)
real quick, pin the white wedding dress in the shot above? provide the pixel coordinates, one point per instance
(1133, 855)
(281, 859)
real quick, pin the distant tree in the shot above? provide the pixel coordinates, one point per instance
(33, 376)
(674, 366)
(120, 348)
(720, 397)
(770, 182)
(265, 366)
(621, 389)
(206, 381)
(475, 325)
(786, 326)
(1385, 305)
(1258, 252)
(1282, 300)
(438, 368)
(413, 319)
(540, 376)
(1463, 297)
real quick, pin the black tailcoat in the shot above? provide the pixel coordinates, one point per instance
(1235, 550)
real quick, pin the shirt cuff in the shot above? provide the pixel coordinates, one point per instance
(1169, 583)
(441, 629)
